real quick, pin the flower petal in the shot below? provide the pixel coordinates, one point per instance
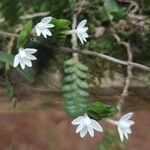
(126, 135)
(85, 35)
(30, 50)
(82, 30)
(83, 132)
(82, 23)
(46, 20)
(121, 134)
(44, 34)
(96, 126)
(127, 116)
(128, 130)
(27, 62)
(31, 57)
(131, 122)
(49, 26)
(47, 32)
(91, 131)
(80, 38)
(22, 64)
(80, 127)
(77, 120)
(38, 31)
(16, 61)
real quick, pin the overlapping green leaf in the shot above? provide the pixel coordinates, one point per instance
(111, 9)
(98, 110)
(25, 34)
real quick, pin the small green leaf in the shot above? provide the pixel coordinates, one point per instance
(98, 110)
(82, 67)
(70, 78)
(27, 73)
(61, 23)
(82, 75)
(82, 84)
(69, 70)
(9, 85)
(25, 34)
(70, 62)
(69, 87)
(83, 93)
(111, 9)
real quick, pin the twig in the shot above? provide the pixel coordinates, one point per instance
(8, 34)
(31, 16)
(87, 52)
(8, 81)
(74, 36)
(74, 24)
(129, 73)
(106, 57)
(135, 18)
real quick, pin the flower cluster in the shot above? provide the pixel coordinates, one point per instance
(87, 125)
(25, 56)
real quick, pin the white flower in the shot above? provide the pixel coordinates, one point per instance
(124, 125)
(81, 31)
(43, 27)
(24, 57)
(86, 125)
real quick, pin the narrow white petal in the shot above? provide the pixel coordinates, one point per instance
(47, 32)
(49, 26)
(22, 64)
(38, 31)
(131, 122)
(91, 131)
(128, 130)
(126, 135)
(31, 57)
(77, 120)
(80, 38)
(127, 116)
(84, 39)
(46, 20)
(44, 34)
(121, 134)
(30, 50)
(79, 128)
(85, 35)
(16, 61)
(82, 24)
(96, 126)
(27, 62)
(84, 29)
(83, 132)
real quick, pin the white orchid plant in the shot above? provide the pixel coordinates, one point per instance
(86, 115)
